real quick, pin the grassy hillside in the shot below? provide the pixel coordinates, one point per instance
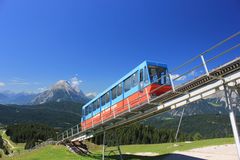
(60, 152)
(50, 153)
(170, 147)
(16, 148)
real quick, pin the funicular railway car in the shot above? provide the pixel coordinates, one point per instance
(147, 80)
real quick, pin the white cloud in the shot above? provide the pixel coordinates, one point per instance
(75, 83)
(18, 81)
(182, 78)
(42, 89)
(91, 94)
(2, 84)
(192, 73)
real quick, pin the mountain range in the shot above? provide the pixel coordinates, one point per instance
(60, 106)
(65, 114)
(59, 92)
(8, 97)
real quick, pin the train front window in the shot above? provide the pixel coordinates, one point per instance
(157, 74)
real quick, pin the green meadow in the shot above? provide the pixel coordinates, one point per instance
(129, 151)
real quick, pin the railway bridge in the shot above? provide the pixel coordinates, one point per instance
(216, 69)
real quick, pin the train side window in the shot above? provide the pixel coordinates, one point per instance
(141, 75)
(114, 92)
(119, 89)
(87, 110)
(145, 75)
(90, 109)
(134, 79)
(92, 106)
(95, 105)
(107, 97)
(103, 100)
(98, 104)
(127, 84)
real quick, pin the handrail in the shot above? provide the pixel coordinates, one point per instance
(207, 51)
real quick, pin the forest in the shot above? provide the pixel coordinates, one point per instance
(31, 134)
(143, 134)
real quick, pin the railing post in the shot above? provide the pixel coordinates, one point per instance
(101, 116)
(171, 81)
(205, 65)
(72, 131)
(147, 95)
(92, 121)
(129, 107)
(114, 114)
(77, 129)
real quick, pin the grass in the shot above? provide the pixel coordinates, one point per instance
(166, 148)
(61, 152)
(50, 153)
(215, 104)
(15, 147)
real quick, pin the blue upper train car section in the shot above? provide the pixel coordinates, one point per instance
(138, 86)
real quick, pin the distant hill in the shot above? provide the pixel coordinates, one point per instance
(209, 117)
(209, 126)
(8, 97)
(55, 114)
(204, 106)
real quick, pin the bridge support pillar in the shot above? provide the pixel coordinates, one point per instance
(179, 125)
(229, 103)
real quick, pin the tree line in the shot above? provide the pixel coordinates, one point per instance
(143, 134)
(31, 134)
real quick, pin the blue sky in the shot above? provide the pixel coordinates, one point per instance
(98, 42)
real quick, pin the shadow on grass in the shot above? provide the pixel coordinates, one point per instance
(161, 157)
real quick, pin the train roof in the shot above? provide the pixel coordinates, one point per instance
(144, 63)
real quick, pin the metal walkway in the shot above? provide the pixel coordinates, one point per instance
(208, 83)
